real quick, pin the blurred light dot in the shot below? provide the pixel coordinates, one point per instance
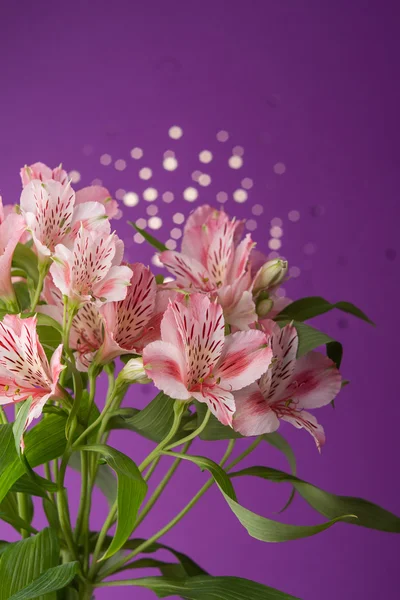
(204, 180)
(273, 255)
(222, 197)
(168, 197)
(257, 210)
(274, 244)
(235, 162)
(156, 261)
(251, 224)
(150, 194)
(294, 215)
(170, 163)
(141, 223)
(175, 132)
(309, 248)
(238, 151)
(120, 164)
(130, 199)
(97, 181)
(276, 222)
(247, 183)
(178, 218)
(176, 233)
(168, 153)
(276, 231)
(136, 153)
(169, 279)
(145, 173)
(154, 222)
(138, 238)
(279, 168)
(222, 136)
(120, 193)
(281, 292)
(171, 245)
(240, 195)
(294, 271)
(74, 176)
(105, 159)
(205, 156)
(190, 194)
(152, 210)
(196, 175)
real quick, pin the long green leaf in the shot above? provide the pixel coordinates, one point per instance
(130, 493)
(26, 260)
(214, 429)
(205, 587)
(257, 526)
(313, 306)
(19, 423)
(149, 238)
(25, 561)
(43, 443)
(52, 580)
(105, 478)
(329, 505)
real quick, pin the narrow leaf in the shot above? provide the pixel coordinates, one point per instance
(149, 238)
(19, 423)
(52, 580)
(105, 478)
(313, 306)
(26, 260)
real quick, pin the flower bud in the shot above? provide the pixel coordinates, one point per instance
(264, 307)
(270, 275)
(133, 372)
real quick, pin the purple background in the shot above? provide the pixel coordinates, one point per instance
(312, 85)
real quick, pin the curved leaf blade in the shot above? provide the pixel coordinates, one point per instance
(149, 238)
(52, 580)
(313, 306)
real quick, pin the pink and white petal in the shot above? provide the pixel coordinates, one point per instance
(165, 365)
(11, 231)
(198, 217)
(316, 381)
(253, 415)
(245, 357)
(61, 269)
(119, 251)
(241, 258)
(97, 193)
(284, 344)
(56, 366)
(114, 286)
(36, 171)
(307, 421)
(91, 215)
(220, 249)
(220, 402)
(238, 305)
(188, 271)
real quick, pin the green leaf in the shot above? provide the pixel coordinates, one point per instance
(154, 422)
(20, 421)
(105, 478)
(309, 337)
(206, 587)
(25, 561)
(313, 306)
(258, 527)
(131, 492)
(149, 238)
(214, 430)
(21, 290)
(47, 321)
(334, 351)
(329, 505)
(43, 443)
(34, 487)
(26, 260)
(52, 580)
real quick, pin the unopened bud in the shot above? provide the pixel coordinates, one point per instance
(133, 372)
(264, 307)
(270, 275)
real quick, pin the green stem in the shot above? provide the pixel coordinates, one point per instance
(82, 501)
(245, 453)
(192, 435)
(3, 417)
(161, 486)
(43, 270)
(62, 505)
(23, 510)
(100, 540)
(152, 468)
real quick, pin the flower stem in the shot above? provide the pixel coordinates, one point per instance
(43, 270)
(192, 435)
(23, 510)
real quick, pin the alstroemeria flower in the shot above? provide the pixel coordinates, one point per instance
(97, 193)
(194, 359)
(12, 228)
(51, 215)
(213, 261)
(91, 270)
(43, 173)
(24, 368)
(287, 389)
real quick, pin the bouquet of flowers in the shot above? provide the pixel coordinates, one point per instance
(229, 357)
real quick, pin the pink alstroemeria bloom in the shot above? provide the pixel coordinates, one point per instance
(287, 389)
(12, 228)
(194, 359)
(213, 261)
(91, 270)
(51, 215)
(43, 173)
(97, 193)
(24, 368)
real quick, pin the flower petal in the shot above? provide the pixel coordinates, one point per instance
(253, 415)
(316, 381)
(305, 420)
(165, 365)
(220, 402)
(188, 271)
